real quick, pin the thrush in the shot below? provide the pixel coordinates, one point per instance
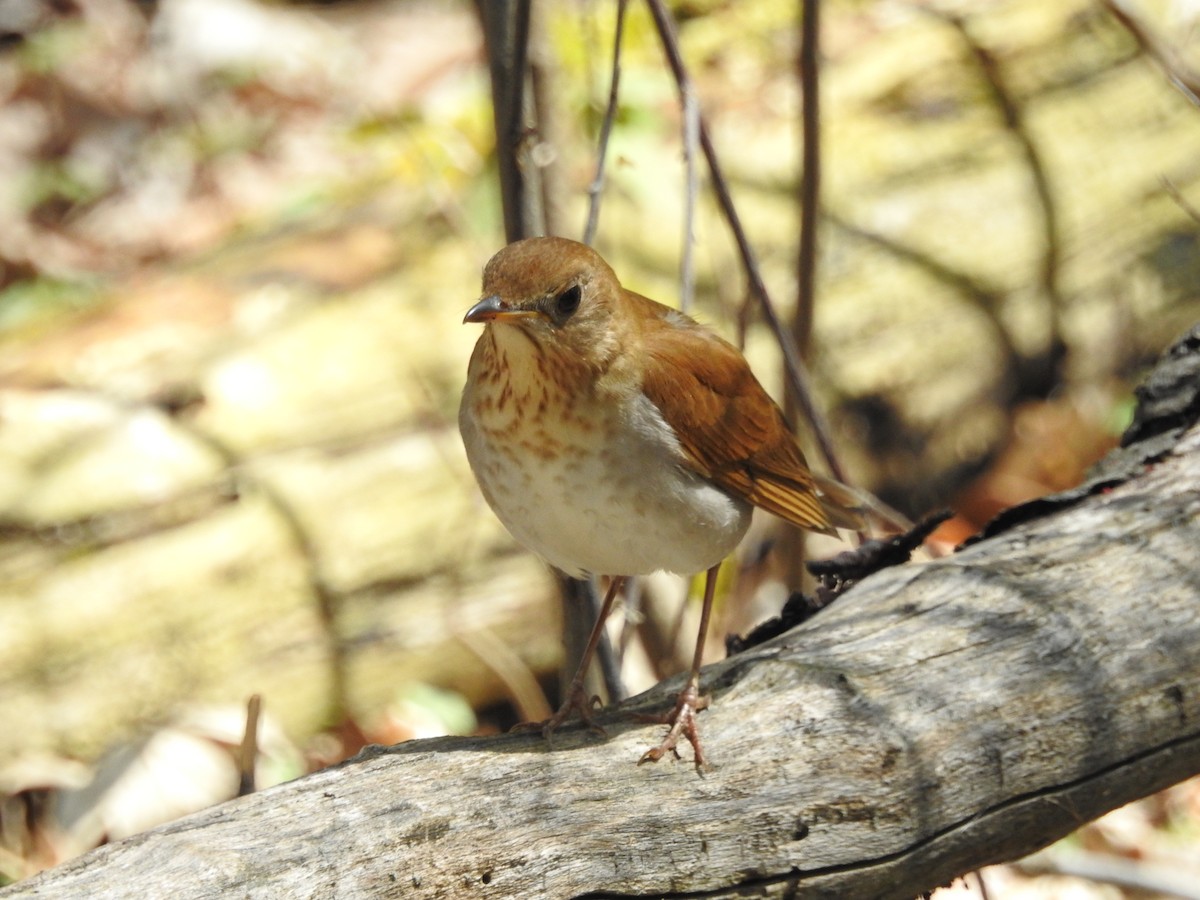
(613, 435)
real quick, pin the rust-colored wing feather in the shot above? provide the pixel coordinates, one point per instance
(729, 427)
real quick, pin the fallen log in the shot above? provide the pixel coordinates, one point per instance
(937, 718)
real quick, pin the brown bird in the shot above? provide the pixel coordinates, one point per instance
(616, 436)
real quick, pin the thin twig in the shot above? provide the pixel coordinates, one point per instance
(512, 672)
(983, 891)
(248, 752)
(581, 603)
(810, 181)
(797, 373)
(632, 615)
(791, 546)
(544, 158)
(1184, 79)
(596, 188)
(691, 136)
(1175, 194)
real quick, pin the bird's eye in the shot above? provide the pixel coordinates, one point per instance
(567, 302)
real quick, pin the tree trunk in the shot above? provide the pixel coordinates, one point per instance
(936, 718)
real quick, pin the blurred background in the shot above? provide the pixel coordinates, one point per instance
(236, 243)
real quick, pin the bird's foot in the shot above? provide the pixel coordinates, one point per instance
(682, 720)
(578, 701)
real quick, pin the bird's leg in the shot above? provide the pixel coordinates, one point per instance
(577, 699)
(682, 718)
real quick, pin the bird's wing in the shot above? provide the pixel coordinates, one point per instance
(728, 426)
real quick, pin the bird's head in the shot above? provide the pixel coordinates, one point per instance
(559, 292)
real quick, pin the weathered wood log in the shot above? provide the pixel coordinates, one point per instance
(937, 718)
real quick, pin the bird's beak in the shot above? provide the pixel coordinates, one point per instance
(493, 309)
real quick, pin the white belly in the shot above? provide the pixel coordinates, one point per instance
(624, 508)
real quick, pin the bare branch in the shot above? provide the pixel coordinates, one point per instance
(691, 136)
(248, 752)
(1181, 201)
(506, 37)
(1183, 78)
(596, 188)
(810, 180)
(792, 542)
(798, 376)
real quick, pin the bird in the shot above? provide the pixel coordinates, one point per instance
(615, 436)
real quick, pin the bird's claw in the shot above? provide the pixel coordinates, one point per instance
(577, 702)
(682, 720)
